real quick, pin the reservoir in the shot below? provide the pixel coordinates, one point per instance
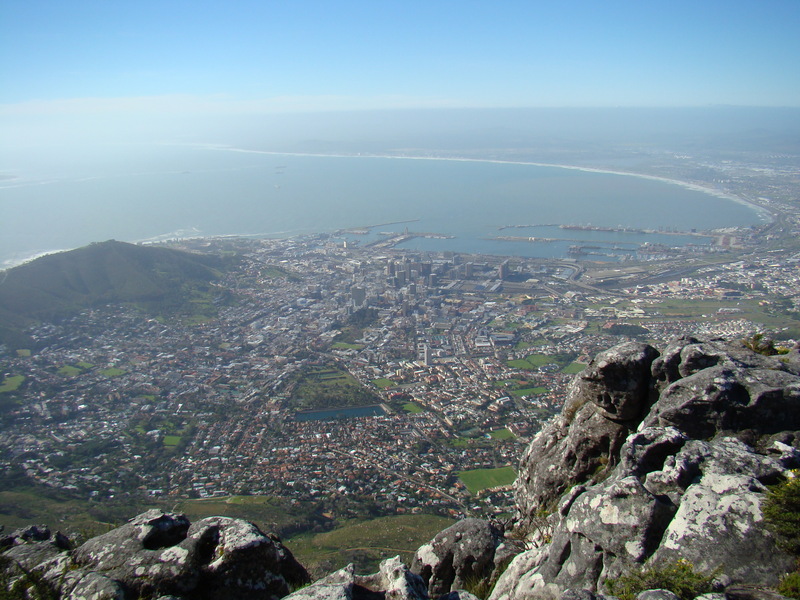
(344, 412)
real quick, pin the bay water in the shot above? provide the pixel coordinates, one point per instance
(155, 192)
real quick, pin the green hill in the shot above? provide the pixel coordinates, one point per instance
(159, 280)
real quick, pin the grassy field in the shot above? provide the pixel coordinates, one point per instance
(327, 387)
(481, 479)
(529, 391)
(383, 383)
(11, 383)
(365, 543)
(502, 434)
(69, 371)
(25, 505)
(23, 353)
(172, 440)
(113, 372)
(573, 368)
(412, 407)
(268, 512)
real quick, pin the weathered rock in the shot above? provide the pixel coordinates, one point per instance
(459, 595)
(393, 581)
(216, 557)
(458, 555)
(603, 405)
(656, 595)
(684, 482)
(618, 381)
(719, 526)
(724, 399)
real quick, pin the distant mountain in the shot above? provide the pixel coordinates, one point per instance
(160, 280)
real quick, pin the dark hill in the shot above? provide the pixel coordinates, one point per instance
(59, 285)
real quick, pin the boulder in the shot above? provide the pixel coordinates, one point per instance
(163, 554)
(393, 581)
(461, 554)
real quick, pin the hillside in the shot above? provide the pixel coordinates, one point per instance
(159, 280)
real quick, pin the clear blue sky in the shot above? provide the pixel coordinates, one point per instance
(265, 55)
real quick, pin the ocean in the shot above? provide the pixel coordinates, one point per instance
(159, 192)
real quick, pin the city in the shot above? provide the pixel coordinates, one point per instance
(460, 357)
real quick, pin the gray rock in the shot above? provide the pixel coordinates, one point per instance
(459, 595)
(217, 557)
(686, 482)
(576, 594)
(656, 595)
(393, 581)
(724, 399)
(461, 553)
(719, 526)
(604, 404)
(618, 381)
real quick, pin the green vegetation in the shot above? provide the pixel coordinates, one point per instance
(532, 391)
(11, 383)
(84, 365)
(159, 281)
(790, 585)
(383, 383)
(412, 407)
(353, 329)
(112, 372)
(171, 440)
(573, 368)
(274, 272)
(502, 434)
(69, 371)
(628, 330)
(23, 353)
(328, 387)
(23, 504)
(28, 586)
(366, 543)
(270, 513)
(679, 577)
(481, 479)
(762, 345)
(535, 361)
(781, 509)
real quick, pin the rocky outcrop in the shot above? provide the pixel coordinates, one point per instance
(160, 554)
(462, 554)
(604, 404)
(393, 581)
(659, 457)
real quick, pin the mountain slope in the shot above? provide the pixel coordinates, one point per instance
(58, 285)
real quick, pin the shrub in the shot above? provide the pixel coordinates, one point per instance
(781, 510)
(679, 577)
(790, 585)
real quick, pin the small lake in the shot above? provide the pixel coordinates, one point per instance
(343, 412)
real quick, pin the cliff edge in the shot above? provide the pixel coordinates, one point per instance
(659, 457)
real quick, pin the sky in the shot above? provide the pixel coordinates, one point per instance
(116, 57)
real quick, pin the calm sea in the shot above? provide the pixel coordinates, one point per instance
(166, 191)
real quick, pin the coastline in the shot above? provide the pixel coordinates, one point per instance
(761, 212)
(758, 209)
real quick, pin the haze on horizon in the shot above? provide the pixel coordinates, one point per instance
(406, 72)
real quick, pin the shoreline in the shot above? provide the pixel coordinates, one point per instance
(758, 209)
(191, 233)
